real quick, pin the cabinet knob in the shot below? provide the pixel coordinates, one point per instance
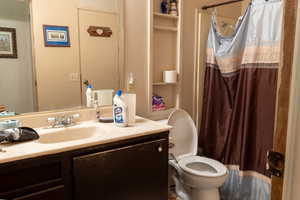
(160, 149)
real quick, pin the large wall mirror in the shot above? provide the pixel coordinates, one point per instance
(49, 48)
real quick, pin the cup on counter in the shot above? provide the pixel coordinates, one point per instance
(130, 100)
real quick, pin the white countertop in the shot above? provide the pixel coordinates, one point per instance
(105, 133)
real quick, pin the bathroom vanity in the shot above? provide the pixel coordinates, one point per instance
(123, 164)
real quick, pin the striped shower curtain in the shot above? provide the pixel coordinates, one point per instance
(240, 99)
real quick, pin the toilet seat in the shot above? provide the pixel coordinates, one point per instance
(202, 166)
(184, 138)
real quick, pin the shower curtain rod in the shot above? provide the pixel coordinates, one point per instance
(220, 4)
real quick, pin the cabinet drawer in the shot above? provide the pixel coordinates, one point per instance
(56, 193)
(16, 179)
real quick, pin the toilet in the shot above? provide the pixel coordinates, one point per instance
(195, 177)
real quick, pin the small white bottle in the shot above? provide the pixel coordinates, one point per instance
(120, 110)
(89, 96)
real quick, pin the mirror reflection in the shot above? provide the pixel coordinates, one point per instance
(50, 48)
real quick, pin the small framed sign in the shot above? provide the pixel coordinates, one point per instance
(8, 43)
(99, 31)
(56, 36)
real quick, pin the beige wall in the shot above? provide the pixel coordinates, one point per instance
(189, 9)
(136, 53)
(53, 64)
(16, 85)
(104, 5)
(58, 68)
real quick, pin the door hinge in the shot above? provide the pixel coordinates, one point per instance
(275, 164)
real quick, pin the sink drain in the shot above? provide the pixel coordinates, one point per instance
(2, 151)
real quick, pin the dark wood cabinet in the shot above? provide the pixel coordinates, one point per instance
(130, 173)
(131, 169)
(56, 193)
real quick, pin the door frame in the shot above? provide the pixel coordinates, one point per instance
(294, 116)
(284, 116)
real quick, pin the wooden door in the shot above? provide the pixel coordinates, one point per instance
(99, 56)
(130, 173)
(284, 93)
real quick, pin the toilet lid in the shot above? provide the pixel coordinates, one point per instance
(202, 166)
(183, 135)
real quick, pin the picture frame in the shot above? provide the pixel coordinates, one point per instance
(56, 36)
(8, 43)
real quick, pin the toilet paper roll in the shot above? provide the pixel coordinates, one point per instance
(170, 76)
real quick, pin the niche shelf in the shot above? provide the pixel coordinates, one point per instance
(157, 114)
(166, 28)
(165, 54)
(157, 14)
(163, 84)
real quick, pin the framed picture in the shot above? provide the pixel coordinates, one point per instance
(56, 36)
(8, 43)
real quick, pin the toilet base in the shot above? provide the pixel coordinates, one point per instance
(211, 194)
(185, 192)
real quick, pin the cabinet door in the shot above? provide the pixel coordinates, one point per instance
(137, 172)
(56, 193)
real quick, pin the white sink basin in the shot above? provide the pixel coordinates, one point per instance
(68, 134)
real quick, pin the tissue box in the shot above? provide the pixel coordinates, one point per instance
(7, 114)
(7, 124)
(103, 97)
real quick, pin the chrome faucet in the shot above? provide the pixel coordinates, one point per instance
(63, 121)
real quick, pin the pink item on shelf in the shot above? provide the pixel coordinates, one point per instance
(158, 103)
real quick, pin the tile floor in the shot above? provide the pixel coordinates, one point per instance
(172, 195)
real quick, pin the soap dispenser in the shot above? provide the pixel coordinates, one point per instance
(89, 96)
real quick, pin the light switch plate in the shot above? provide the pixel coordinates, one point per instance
(74, 76)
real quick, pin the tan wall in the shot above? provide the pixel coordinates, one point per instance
(104, 5)
(189, 9)
(16, 84)
(136, 49)
(56, 65)
(53, 64)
